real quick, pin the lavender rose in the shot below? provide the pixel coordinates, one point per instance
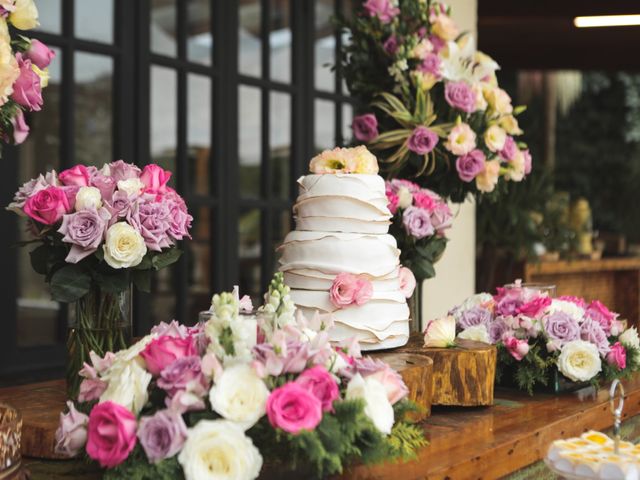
(417, 222)
(431, 64)
(561, 328)
(153, 220)
(592, 332)
(120, 170)
(119, 206)
(498, 329)
(162, 435)
(460, 95)
(365, 127)
(474, 316)
(183, 374)
(105, 184)
(470, 165)
(84, 230)
(390, 45)
(422, 140)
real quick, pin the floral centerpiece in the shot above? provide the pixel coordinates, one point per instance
(98, 231)
(430, 105)
(538, 336)
(219, 400)
(23, 69)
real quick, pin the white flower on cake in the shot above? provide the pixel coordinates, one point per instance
(477, 333)
(579, 361)
(377, 405)
(124, 246)
(127, 383)
(441, 332)
(219, 450)
(88, 197)
(345, 160)
(239, 395)
(629, 338)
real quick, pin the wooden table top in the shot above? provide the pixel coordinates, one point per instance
(466, 443)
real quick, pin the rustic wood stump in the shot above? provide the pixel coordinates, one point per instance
(417, 372)
(462, 375)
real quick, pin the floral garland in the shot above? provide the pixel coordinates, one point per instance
(216, 400)
(536, 334)
(430, 103)
(23, 69)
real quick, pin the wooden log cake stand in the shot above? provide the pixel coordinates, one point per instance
(463, 375)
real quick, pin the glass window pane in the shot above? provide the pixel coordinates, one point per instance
(250, 253)
(249, 136)
(199, 133)
(249, 41)
(280, 142)
(199, 38)
(94, 20)
(347, 117)
(325, 121)
(163, 117)
(324, 46)
(163, 27)
(49, 16)
(93, 108)
(280, 41)
(200, 262)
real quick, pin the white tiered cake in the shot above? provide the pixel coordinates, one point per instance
(342, 224)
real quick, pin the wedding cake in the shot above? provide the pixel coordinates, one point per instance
(340, 259)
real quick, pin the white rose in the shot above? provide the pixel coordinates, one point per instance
(476, 300)
(377, 406)
(494, 138)
(127, 382)
(405, 199)
(629, 338)
(131, 186)
(565, 306)
(516, 169)
(25, 15)
(88, 197)
(219, 450)
(124, 246)
(477, 333)
(579, 361)
(440, 333)
(239, 395)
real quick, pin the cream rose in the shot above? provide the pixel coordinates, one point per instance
(219, 450)
(477, 333)
(88, 197)
(377, 405)
(579, 361)
(24, 15)
(629, 338)
(461, 140)
(444, 27)
(124, 246)
(127, 383)
(9, 70)
(494, 138)
(441, 332)
(488, 179)
(516, 170)
(498, 100)
(510, 124)
(239, 395)
(405, 199)
(131, 186)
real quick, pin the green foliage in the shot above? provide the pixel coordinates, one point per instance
(70, 283)
(534, 369)
(405, 439)
(137, 467)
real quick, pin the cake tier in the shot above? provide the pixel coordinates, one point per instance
(314, 280)
(334, 253)
(342, 203)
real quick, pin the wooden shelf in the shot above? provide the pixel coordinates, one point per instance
(582, 266)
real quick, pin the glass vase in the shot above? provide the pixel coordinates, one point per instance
(102, 324)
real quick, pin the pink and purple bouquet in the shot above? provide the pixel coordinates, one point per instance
(538, 335)
(216, 400)
(23, 69)
(431, 106)
(420, 221)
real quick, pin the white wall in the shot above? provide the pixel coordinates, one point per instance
(455, 272)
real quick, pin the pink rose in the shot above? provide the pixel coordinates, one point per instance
(47, 206)
(293, 408)
(392, 382)
(321, 384)
(77, 176)
(407, 282)
(111, 434)
(393, 200)
(516, 347)
(598, 312)
(383, 9)
(469, 166)
(365, 127)
(155, 179)
(424, 200)
(364, 291)
(348, 289)
(71, 435)
(39, 54)
(617, 356)
(27, 90)
(91, 389)
(163, 351)
(20, 128)
(534, 307)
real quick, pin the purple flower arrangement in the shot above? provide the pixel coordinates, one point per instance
(537, 334)
(421, 219)
(441, 117)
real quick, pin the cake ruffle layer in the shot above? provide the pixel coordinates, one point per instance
(314, 280)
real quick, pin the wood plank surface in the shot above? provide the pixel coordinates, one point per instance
(582, 266)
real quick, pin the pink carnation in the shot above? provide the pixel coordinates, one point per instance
(534, 307)
(424, 200)
(321, 384)
(393, 200)
(383, 9)
(516, 347)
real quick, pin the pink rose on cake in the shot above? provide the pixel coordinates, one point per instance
(349, 289)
